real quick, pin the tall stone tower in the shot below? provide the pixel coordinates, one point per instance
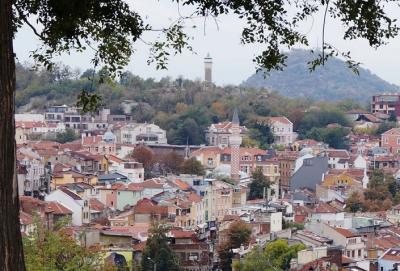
(235, 139)
(208, 69)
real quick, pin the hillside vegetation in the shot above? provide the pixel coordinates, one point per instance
(333, 81)
(184, 108)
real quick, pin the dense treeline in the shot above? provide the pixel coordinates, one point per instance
(184, 108)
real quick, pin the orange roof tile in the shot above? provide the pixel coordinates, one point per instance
(182, 185)
(345, 232)
(57, 208)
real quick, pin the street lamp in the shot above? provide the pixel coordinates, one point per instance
(154, 263)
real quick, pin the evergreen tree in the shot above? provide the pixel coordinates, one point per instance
(192, 166)
(158, 252)
(258, 184)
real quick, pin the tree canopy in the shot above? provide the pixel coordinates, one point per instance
(56, 250)
(258, 184)
(158, 252)
(275, 256)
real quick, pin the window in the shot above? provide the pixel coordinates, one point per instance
(359, 253)
(385, 139)
(398, 141)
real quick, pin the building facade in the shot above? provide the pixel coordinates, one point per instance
(282, 128)
(135, 133)
(217, 134)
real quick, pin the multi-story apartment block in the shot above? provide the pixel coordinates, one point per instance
(386, 103)
(55, 113)
(282, 128)
(287, 165)
(218, 134)
(132, 169)
(34, 172)
(99, 144)
(73, 118)
(134, 133)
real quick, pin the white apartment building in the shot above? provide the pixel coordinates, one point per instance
(134, 133)
(35, 171)
(217, 134)
(133, 170)
(282, 128)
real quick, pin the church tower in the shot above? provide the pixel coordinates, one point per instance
(235, 139)
(208, 69)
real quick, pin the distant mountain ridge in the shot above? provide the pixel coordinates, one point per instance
(334, 81)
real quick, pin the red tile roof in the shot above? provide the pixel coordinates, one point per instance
(182, 234)
(392, 254)
(323, 207)
(193, 197)
(25, 218)
(338, 153)
(147, 206)
(96, 205)
(345, 232)
(92, 140)
(31, 205)
(57, 208)
(393, 131)
(182, 185)
(151, 183)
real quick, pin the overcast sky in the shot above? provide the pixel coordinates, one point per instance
(232, 60)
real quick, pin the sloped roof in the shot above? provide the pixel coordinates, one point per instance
(309, 174)
(92, 140)
(57, 208)
(393, 131)
(147, 206)
(182, 185)
(25, 218)
(70, 193)
(96, 205)
(283, 120)
(345, 232)
(151, 183)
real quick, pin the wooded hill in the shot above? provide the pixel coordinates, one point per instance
(331, 82)
(184, 108)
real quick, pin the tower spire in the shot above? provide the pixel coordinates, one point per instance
(208, 69)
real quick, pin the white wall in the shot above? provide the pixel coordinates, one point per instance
(76, 206)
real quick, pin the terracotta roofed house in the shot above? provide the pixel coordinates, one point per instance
(390, 140)
(282, 128)
(217, 134)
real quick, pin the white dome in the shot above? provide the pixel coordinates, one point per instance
(108, 136)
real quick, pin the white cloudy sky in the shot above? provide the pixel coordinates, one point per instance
(232, 61)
